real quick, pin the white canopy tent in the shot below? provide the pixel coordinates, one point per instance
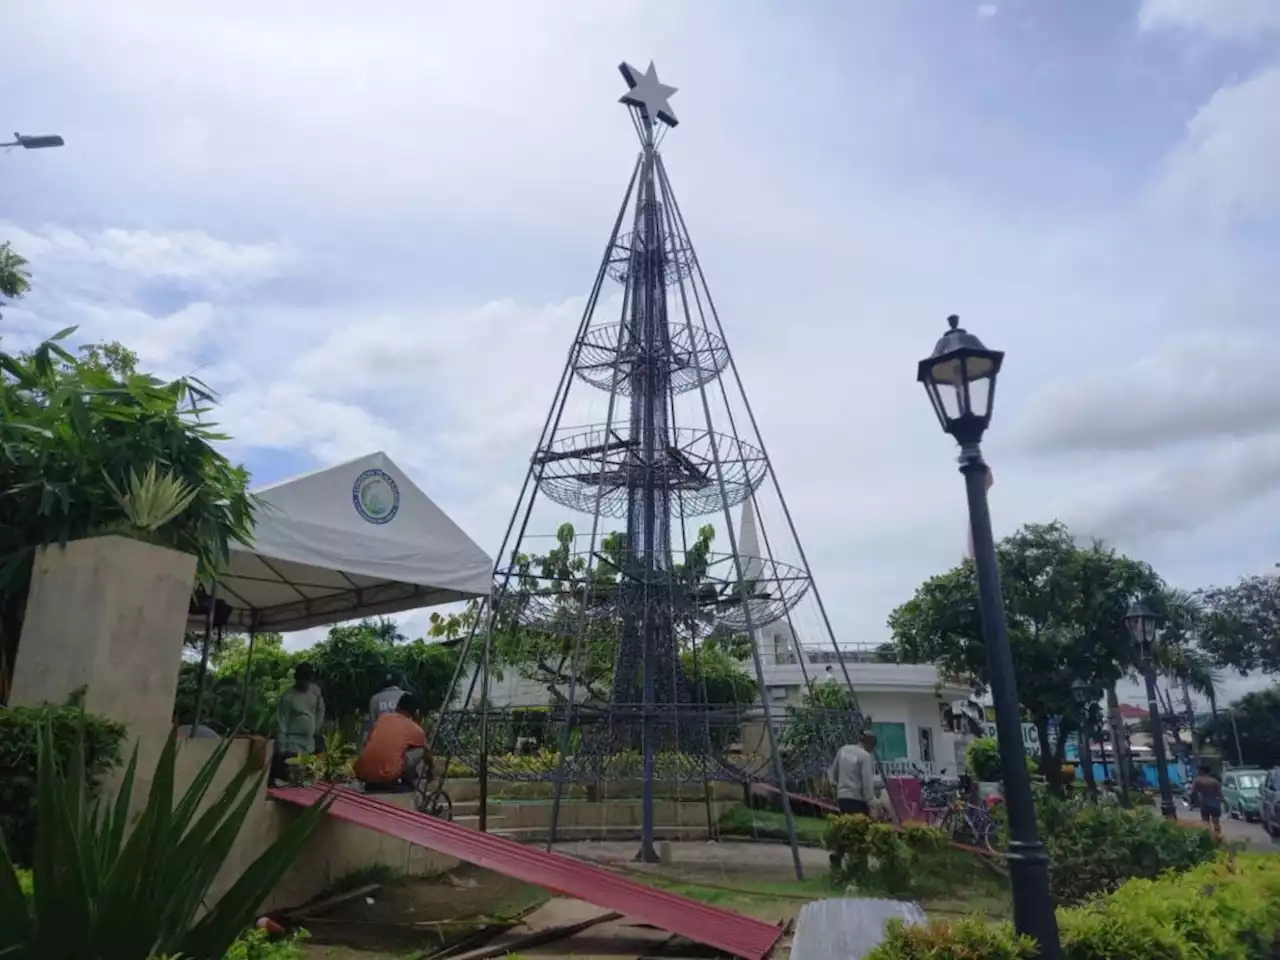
(353, 540)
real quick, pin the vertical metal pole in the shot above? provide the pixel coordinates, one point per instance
(1086, 757)
(483, 772)
(1235, 731)
(204, 657)
(1028, 863)
(1157, 735)
(1119, 749)
(1191, 717)
(651, 276)
(248, 671)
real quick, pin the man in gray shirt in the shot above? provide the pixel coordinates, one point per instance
(384, 701)
(853, 775)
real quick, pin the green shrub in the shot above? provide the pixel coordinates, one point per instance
(19, 759)
(877, 855)
(1095, 849)
(101, 890)
(255, 945)
(1225, 910)
(982, 759)
(969, 939)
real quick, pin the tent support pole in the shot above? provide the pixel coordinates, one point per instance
(204, 657)
(248, 671)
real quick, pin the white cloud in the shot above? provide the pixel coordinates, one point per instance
(1217, 19)
(190, 255)
(1225, 170)
(1208, 385)
(283, 415)
(987, 10)
(381, 231)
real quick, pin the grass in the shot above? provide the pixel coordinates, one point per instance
(739, 821)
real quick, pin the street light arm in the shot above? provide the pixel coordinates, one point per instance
(39, 142)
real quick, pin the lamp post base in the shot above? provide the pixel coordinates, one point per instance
(1033, 912)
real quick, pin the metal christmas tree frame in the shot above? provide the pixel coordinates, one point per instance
(646, 602)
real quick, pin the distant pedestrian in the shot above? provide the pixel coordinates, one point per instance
(1206, 788)
(853, 773)
(299, 716)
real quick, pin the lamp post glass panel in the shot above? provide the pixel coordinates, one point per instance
(960, 379)
(1143, 626)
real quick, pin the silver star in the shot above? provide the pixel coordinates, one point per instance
(648, 93)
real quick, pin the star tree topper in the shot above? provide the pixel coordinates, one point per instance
(648, 93)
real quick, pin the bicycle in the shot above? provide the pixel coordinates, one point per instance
(968, 823)
(431, 798)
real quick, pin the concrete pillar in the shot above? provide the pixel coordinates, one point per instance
(108, 614)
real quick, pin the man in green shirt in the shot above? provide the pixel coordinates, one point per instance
(299, 716)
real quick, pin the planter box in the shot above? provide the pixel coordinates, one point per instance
(107, 614)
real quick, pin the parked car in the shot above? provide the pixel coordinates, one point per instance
(1240, 791)
(1269, 803)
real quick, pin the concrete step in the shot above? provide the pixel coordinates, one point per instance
(473, 819)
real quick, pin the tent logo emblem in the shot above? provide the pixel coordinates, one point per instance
(376, 496)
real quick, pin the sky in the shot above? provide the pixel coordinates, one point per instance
(375, 227)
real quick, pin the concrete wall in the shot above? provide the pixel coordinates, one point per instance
(335, 849)
(108, 614)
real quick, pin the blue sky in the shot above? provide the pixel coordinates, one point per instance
(373, 228)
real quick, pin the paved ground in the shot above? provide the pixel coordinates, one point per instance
(761, 861)
(1235, 831)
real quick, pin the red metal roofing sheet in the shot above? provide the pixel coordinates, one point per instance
(731, 932)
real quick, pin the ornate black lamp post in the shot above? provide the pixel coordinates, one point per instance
(960, 378)
(1086, 697)
(1143, 626)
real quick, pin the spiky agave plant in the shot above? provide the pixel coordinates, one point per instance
(102, 889)
(152, 499)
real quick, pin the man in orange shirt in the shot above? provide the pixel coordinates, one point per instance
(395, 755)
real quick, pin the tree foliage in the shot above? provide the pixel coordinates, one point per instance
(1064, 614)
(350, 662)
(1242, 624)
(823, 721)
(225, 690)
(14, 278)
(1256, 725)
(72, 432)
(582, 601)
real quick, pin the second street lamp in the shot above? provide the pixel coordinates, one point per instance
(1143, 626)
(960, 379)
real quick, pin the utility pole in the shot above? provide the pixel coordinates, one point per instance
(1119, 745)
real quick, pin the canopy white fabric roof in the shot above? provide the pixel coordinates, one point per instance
(354, 540)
